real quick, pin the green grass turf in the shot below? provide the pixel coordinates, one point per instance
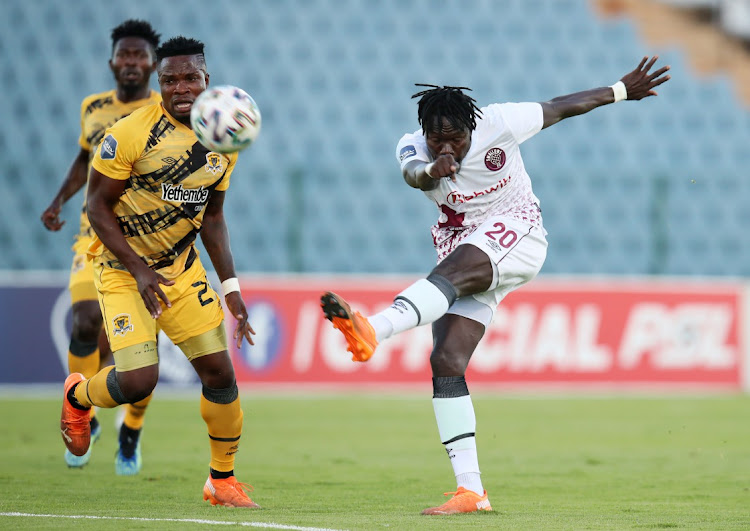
(373, 462)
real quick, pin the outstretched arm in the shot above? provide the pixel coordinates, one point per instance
(74, 181)
(637, 85)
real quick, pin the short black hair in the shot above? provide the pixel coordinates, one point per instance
(135, 28)
(179, 46)
(446, 102)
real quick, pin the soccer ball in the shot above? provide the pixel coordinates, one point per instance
(225, 119)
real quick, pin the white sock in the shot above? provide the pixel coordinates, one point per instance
(456, 420)
(382, 326)
(419, 304)
(466, 459)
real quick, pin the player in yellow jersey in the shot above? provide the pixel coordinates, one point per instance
(133, 60)
(153, 188)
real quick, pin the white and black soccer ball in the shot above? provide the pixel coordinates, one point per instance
(225, 119)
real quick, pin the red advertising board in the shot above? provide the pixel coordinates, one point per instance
(609, 333)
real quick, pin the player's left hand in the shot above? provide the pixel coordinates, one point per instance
(236, 306)
(640, 84)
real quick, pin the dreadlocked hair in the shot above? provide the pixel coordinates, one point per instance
(179, 46)
(135, 28)
(447, 102)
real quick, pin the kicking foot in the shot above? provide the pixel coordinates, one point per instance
(357, 330)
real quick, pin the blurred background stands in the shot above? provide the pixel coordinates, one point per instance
(638, 188)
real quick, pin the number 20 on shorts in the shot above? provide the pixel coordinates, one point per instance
(506, 238)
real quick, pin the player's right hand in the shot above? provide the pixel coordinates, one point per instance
(445, 166)
(51, 217)
(148, 282)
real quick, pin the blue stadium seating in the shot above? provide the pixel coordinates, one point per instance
(320, 191)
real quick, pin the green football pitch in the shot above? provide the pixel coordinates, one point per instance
(374, 461)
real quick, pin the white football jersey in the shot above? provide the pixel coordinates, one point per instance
(492, 180)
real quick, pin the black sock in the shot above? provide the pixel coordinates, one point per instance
(94, 423)
(128, 441)
(215, 474)
(74, 401)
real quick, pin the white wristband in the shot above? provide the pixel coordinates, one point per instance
(621, 93)
(230, 285)
(428, 168)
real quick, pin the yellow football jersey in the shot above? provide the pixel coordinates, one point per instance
(170, 179)
(98, 112)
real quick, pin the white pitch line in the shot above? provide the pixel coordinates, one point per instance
(180, 520)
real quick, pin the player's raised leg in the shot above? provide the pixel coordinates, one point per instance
(421, 303)
(83, 352)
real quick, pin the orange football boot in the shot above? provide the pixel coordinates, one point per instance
(463, 501)
(228, 492)
(359, 334)
(75, 427)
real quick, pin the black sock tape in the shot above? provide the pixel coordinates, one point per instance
(449, 387)
(221, 396)
(445, 287)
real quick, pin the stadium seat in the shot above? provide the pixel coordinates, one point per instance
(334, 81)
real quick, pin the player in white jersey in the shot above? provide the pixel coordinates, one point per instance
(490, 240)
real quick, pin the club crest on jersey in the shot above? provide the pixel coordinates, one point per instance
(213, 162)
(79, 262)
(121, 324)
(109, 148)
(494, 159)
(406, 152)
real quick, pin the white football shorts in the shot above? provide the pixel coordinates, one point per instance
(517, 252)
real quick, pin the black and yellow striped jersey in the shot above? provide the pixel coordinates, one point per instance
(170, 179)
(98, 112)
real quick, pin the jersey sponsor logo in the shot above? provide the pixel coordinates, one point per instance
(457, 198)
(213, 162)
(121, 324)
(494, 159)
(406, 152)
(170, 192)
(109, 148)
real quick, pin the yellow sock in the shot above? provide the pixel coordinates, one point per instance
(87, 365)
(134, 413)
(94, 391)
(224, 422)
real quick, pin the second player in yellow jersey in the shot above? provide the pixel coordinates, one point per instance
(133, 60)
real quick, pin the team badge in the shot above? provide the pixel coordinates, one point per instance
(494, 159)
(109, 148)
(79, 262)
(121, 324)
(213, 162)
